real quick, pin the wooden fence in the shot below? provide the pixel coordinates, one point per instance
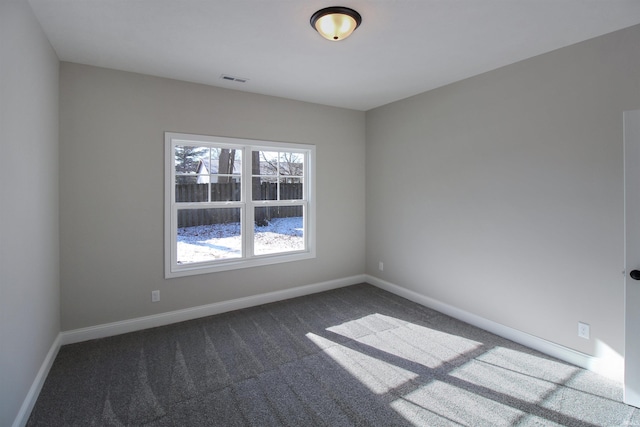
(231, 192)
(198, 192)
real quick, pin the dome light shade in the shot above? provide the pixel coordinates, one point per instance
(335, 23)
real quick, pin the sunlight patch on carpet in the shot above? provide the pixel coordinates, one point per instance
(375, 374)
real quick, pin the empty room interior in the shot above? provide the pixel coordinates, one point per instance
(462, 176)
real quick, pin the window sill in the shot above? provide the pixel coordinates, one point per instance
(236, 264)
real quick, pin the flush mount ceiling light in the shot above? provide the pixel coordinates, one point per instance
(335, 23)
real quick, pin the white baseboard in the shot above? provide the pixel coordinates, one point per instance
(116, 328)
(605, 367)
(30, 400)
(162, 319)
(612, 368)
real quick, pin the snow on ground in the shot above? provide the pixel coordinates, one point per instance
(223, 241)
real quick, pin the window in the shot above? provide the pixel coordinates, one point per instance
(236, 203)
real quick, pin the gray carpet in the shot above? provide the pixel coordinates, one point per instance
(355, 356)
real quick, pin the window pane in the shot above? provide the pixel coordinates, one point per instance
(278, 229)
(227, 189)
(264, 163)
(188, 189)
(186, 179)
(264, 188)
(188, 159)
(291, 189)
(291, 164)
(226, 170)
(226, 161)
(208, 234)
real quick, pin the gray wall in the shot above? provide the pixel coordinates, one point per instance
(29, 285)
(112, 128)
(502, 194)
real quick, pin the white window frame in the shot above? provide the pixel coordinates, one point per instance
(247, 205)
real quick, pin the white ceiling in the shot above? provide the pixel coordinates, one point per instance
(402, 48)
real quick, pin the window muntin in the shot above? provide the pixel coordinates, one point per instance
(223, 213)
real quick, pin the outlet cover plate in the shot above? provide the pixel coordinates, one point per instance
(583, 330)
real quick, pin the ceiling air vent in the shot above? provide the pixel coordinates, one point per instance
(233, 79)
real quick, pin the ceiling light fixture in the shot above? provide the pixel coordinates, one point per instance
(335, 23)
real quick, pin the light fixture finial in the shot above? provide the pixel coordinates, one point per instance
(335, 23)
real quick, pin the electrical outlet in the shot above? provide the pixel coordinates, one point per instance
(381, 266)
(155, 296)
(583, 330)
